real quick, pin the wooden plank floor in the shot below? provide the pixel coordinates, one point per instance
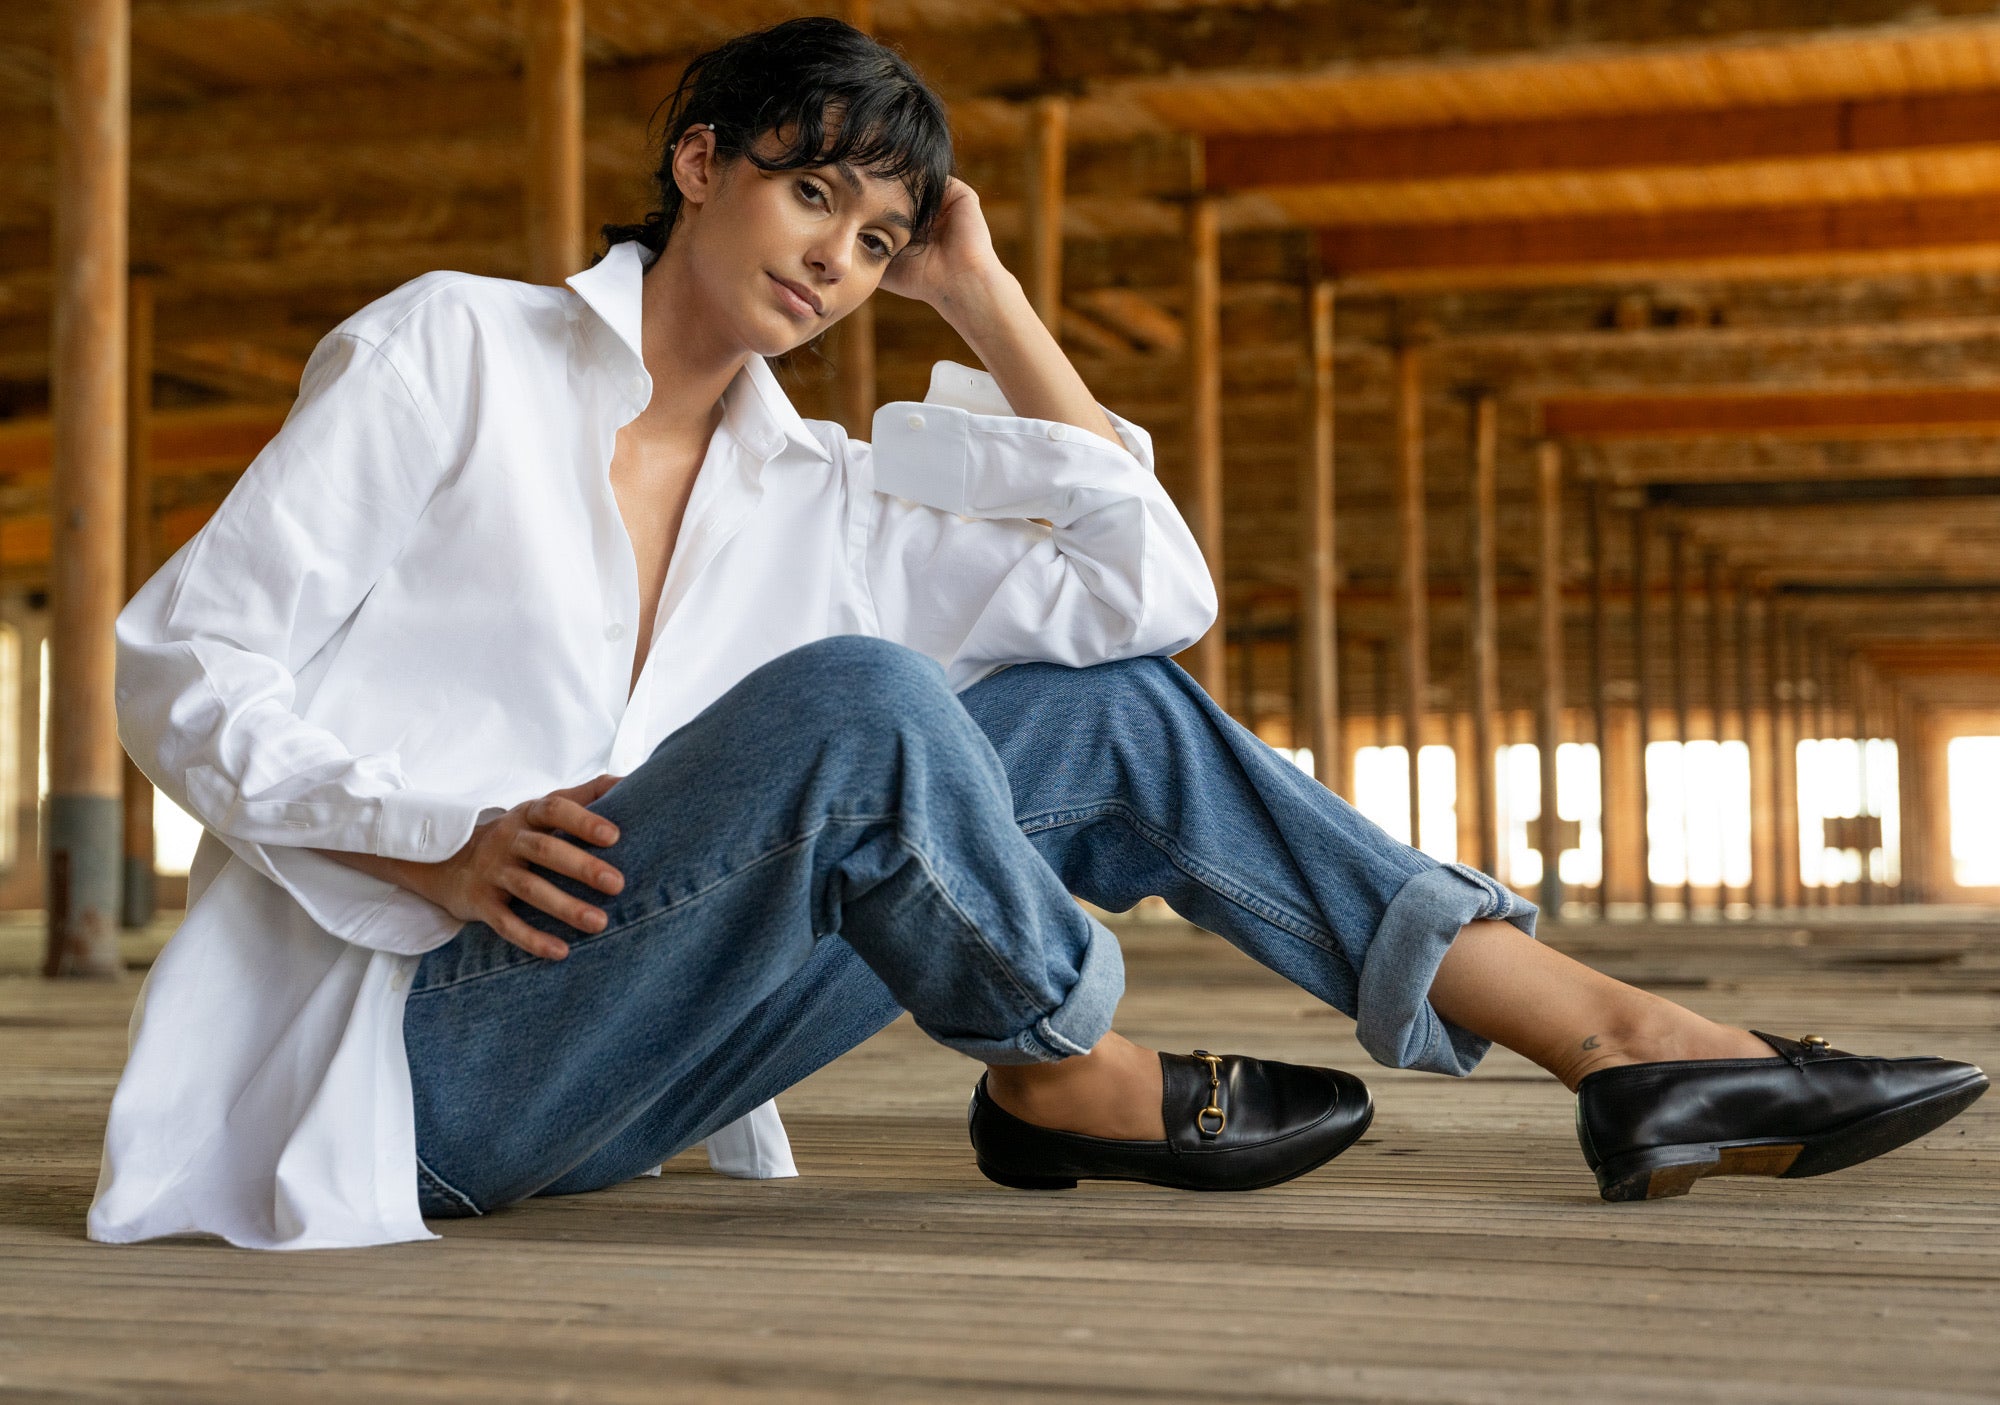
(1458, 1253)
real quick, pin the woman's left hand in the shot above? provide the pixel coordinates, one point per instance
(956, 264)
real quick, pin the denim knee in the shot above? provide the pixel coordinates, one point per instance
(853, 673)
(841, 683)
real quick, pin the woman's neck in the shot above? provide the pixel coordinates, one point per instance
(684, 347)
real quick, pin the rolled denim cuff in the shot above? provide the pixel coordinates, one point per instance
(1073, 1027)
(1396, 1023)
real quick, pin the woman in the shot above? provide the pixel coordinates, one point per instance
(589, 748)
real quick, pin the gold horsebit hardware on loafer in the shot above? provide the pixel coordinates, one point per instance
(1214, 1108)
(1814, 1041)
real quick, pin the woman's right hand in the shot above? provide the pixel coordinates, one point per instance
(499, 863)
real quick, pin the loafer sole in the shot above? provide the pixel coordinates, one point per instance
(1016, 1180)
(1660, 1172)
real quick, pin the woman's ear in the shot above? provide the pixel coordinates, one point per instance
(696, 165)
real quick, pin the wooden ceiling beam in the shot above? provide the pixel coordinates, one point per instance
(1837, 414)
(1748, 242)
(1798, 131)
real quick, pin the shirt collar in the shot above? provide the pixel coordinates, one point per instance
(754, 407)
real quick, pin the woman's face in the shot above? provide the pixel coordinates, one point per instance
(783, 255)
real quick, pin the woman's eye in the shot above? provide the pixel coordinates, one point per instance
(878, 246)
(811, 192)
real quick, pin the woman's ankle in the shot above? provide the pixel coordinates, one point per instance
(1658, 1035)
(1113, 1091)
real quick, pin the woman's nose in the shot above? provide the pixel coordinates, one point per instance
(830, 262)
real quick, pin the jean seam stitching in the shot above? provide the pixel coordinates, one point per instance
(1298, 926)
(1028, 997)
(447, 1187)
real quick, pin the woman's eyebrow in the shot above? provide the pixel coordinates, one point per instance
(853, 183)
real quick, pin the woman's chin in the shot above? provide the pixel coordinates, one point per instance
(772, 337)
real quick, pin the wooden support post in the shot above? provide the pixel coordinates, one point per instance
(1384, 692)
(1484, 631)
(1711, 591)
(1320, 582)
(854, 386)
(138, 900)
(1245, 708)
(552, 46)
(1642, 589)
(1600, 654)
(854, 341)
(1815, 654)
(1857, 715)
(1207, 657)
(1344, 772)
(1780, 692)
(1759, 893)
(1805, 689)
(1912, 833)
(1412, 575)
(1042, 212)
(1549, 637)
(1678, 644)
(92, 87)
(1801, 679)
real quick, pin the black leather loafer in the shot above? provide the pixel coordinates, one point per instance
(1652, 1130)
(1233, 1123)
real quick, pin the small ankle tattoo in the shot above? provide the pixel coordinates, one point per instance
(1590, 1043)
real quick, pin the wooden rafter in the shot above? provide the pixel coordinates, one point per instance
(1924, 411)
(1758, 241)
(1627, 141)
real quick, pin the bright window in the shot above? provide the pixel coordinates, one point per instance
(1699, 813)
(175, 834)
(1972, 768)
(1382, 792)
(1832, 784)
(1519, 797)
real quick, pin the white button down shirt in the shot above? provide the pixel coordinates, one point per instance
(417, 609)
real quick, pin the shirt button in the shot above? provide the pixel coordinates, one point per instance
(916, 421)
(614, 631)
(1058, 431)
(400, 980)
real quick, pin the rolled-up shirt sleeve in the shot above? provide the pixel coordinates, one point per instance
(209, 649)
(959, 567)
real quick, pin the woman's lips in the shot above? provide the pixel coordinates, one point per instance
(795, 302)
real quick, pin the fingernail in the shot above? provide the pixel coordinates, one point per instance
(607, 833)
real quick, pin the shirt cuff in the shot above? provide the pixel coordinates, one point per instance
(926, 451)
(357, 907)
(424, 827)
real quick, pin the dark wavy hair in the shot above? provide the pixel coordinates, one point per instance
(829, 91)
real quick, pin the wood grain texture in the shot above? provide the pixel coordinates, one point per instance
(1458, 1253)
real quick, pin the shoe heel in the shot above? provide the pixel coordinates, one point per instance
(1656, 1174)
(1017, 1181)
(1673, 1170)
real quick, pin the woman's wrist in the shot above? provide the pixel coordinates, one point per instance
(423, 879)
(979, 303)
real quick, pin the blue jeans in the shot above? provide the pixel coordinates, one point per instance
(840, 838)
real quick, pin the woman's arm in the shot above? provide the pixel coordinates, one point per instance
(499, 861)
(407, 874)
(958, 273)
